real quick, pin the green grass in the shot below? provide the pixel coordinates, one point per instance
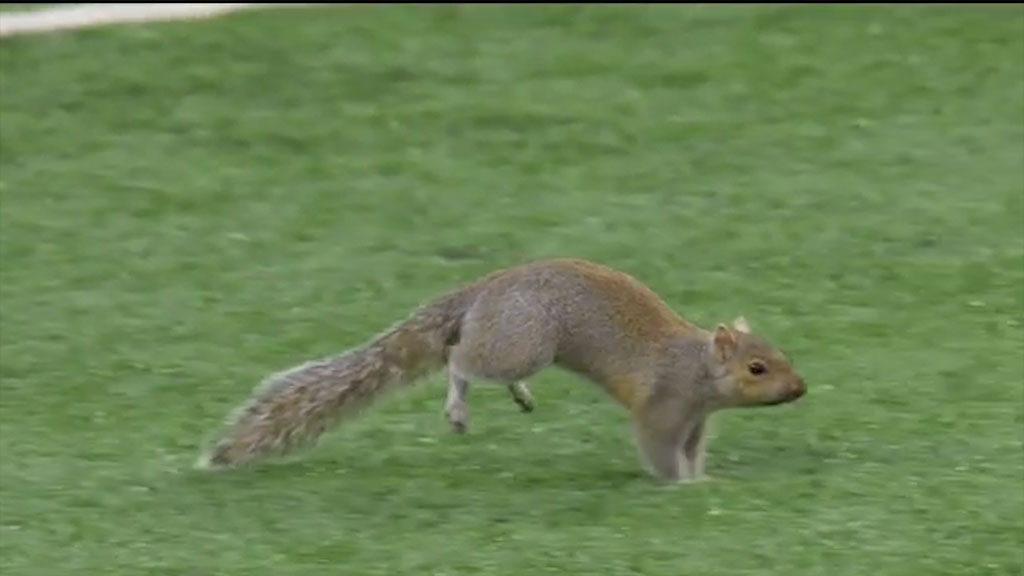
(187, 207)
(8, 7)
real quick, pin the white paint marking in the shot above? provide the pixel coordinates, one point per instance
(76, 16)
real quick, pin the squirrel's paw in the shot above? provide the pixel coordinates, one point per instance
(458, 417)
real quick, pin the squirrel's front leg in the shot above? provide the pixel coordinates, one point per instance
(660, 441)
(694, 450)
(661, 453)
(672, 439)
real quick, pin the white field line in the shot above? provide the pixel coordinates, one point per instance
(90, 15)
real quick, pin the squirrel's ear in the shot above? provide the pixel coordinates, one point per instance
(740, 325)
(724, 342)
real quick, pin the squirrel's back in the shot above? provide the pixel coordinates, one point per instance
(576, 285)
(591, 319)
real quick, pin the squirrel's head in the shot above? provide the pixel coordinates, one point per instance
(751, 371)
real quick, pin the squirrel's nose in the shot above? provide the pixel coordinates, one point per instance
(799, 388)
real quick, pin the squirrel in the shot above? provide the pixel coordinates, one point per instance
(591, 320)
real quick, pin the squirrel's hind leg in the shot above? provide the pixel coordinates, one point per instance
(455, 409)
(521, 395)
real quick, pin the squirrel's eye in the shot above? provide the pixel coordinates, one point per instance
(757, 368)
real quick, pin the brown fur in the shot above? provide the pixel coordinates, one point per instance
(295, 407)
(505, 327)
(637, 309)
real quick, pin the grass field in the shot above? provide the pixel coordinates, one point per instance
(9, 7)
(187, 207)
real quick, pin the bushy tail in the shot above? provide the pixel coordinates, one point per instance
(295, 408)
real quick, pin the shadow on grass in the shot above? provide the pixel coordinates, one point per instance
(583, 471)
